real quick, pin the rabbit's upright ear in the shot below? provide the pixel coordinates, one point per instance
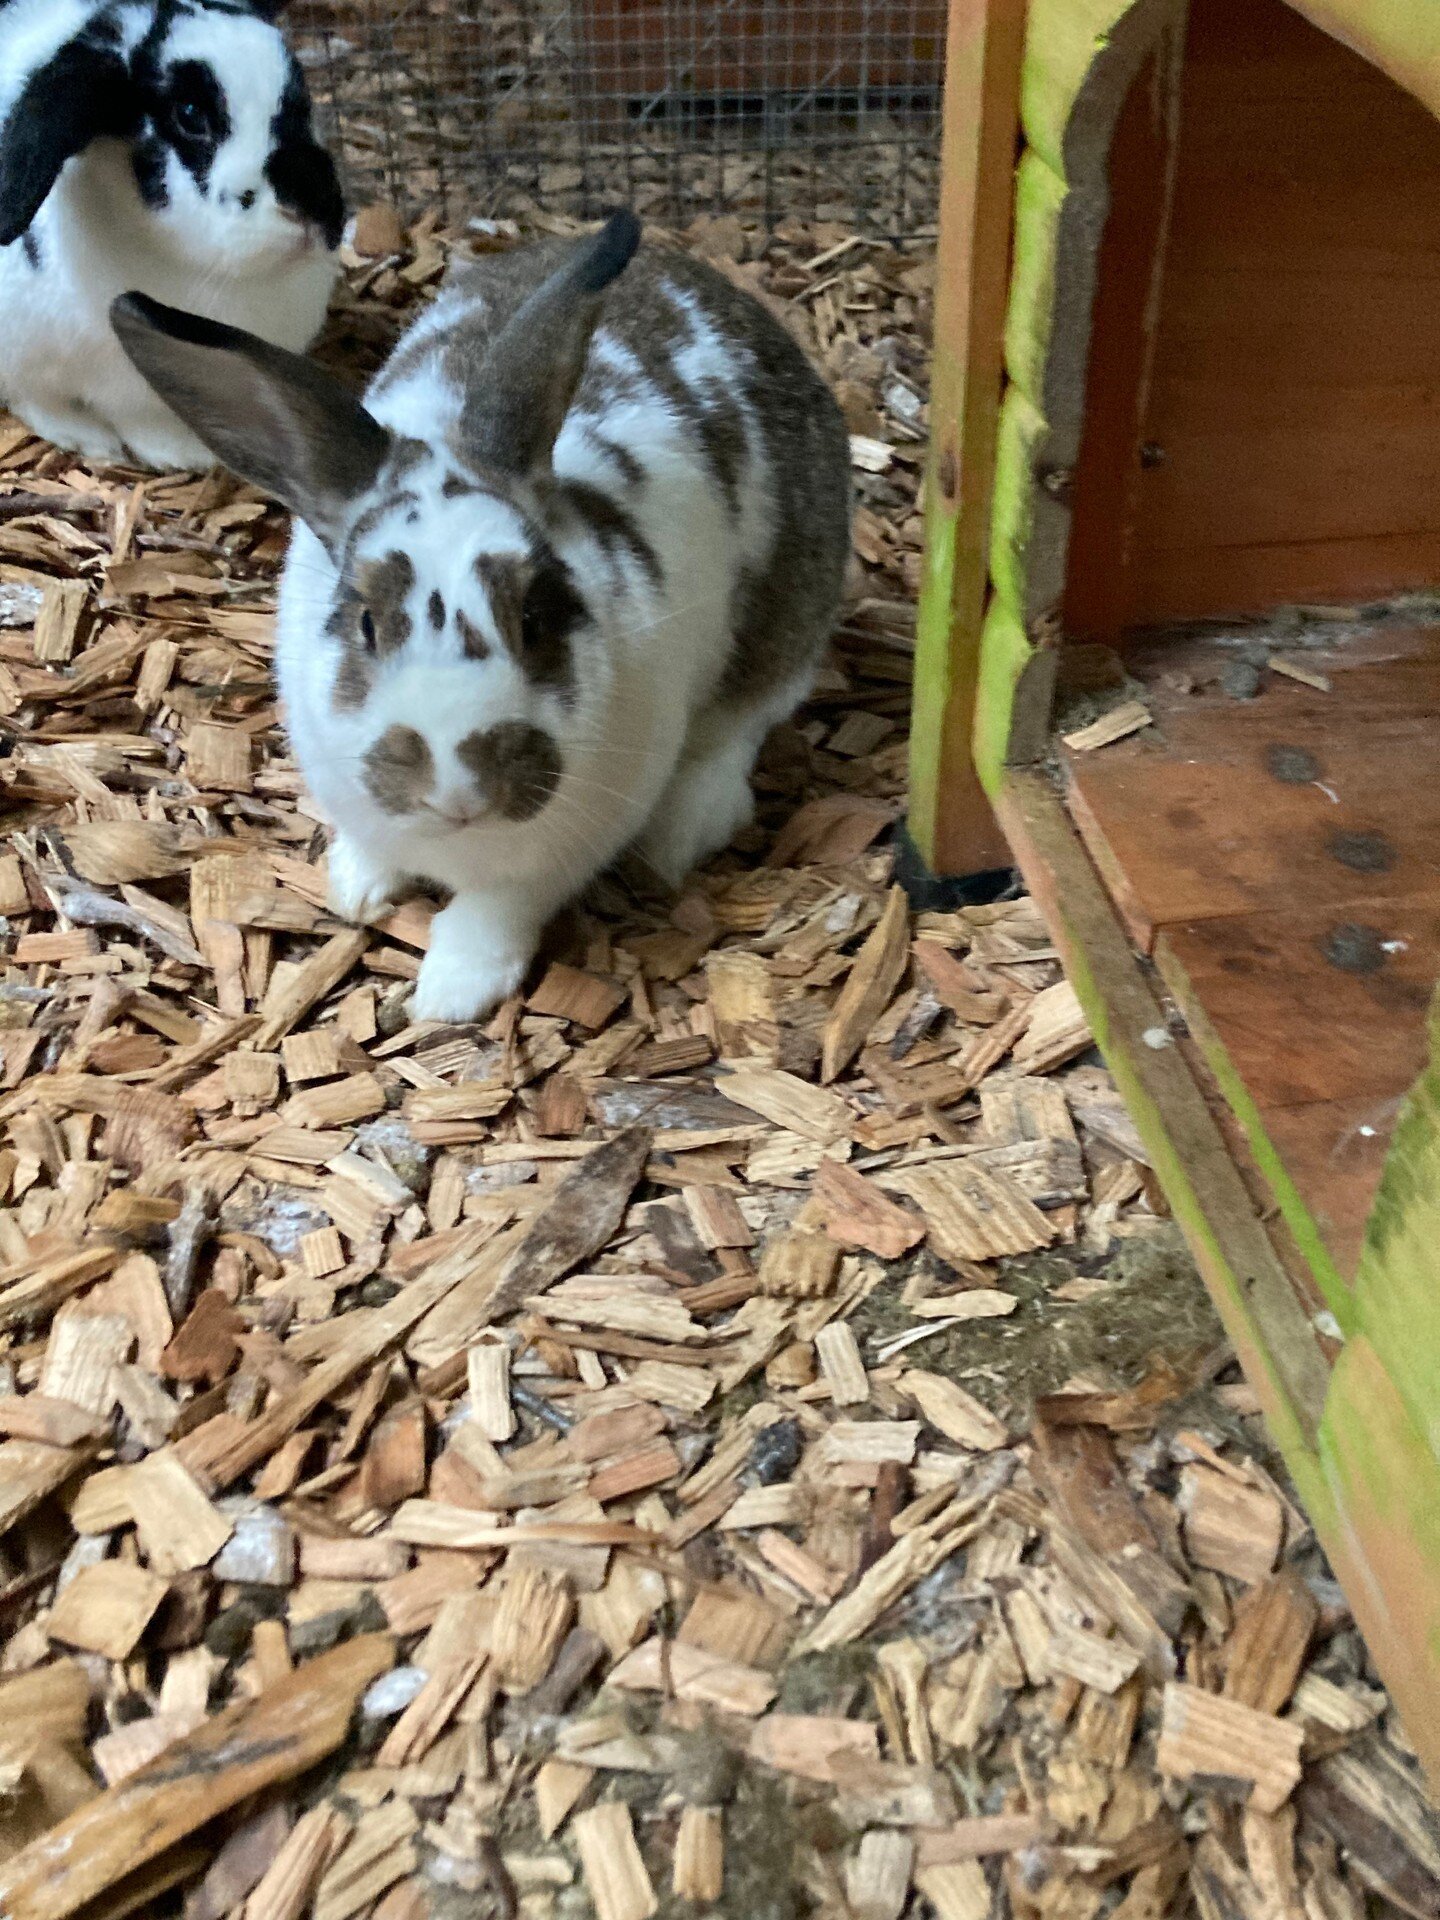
(82, 93)
(275, 418)
(513, 415)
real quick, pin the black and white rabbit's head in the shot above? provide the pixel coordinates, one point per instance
(193, 115)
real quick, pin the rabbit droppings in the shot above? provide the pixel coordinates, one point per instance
(163, 146)
(556, 579)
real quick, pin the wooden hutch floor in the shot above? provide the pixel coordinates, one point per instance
(1279, 858)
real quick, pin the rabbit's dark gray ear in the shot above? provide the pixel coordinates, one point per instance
(268, 9)
(512, 418)
(82, 93)
(275, 418)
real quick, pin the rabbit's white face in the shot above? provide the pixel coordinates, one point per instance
(225, 158)
(457, 629)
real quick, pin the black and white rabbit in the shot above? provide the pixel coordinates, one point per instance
(158, 145)
(556, 579)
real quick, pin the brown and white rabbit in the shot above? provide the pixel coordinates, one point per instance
(576, 554)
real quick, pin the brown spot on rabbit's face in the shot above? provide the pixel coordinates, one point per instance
(516, 766)
(399, 770)
(372, 621)
(535, 609)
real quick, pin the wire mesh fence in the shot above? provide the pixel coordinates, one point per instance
(811, 109)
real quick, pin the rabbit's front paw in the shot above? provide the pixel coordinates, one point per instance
(480, 951)
(453, 988)
(361, 890)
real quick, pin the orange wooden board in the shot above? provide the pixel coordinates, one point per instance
(1291, 427)
(1321, 1003)
(1334, 1152)
(1325, 1054)
(1297, 798)
(1281, 858)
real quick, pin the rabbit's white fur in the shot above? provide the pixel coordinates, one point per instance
(686, 496)
(95, 237)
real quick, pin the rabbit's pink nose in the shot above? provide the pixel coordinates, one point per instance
(459, 806)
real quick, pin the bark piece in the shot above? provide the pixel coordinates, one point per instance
(586, 1209)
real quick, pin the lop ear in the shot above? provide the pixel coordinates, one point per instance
(272, 416)
(82, 93)
(513, 418)
(268, 9)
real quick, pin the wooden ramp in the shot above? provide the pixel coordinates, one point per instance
(1279, 858)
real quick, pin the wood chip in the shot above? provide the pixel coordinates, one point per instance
(693, 1673)
(63, 612)
(614, 1872)
(799, 1266)
(1203, 1737)
(1091, 1659)
(1057, 1031)
(877, 1883)
(699, 1871)
(1229, 1525)
(972, 1214)
(956, 1892)
(868, 986)
(839, 1355)
(816, 1747)
(568, 994)
(179, 1527)
(284, 1891)
(535, 1611)
(789, 1102)
(232, 1757)
(1296, 670)
(857, 1213)
(106, 1608)
(1268, 1642)
(489, 1376)
(1129, 717)
(955, 1413)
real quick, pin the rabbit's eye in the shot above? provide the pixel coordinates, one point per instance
(367, 630)
(551, 607)
(196, 110)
